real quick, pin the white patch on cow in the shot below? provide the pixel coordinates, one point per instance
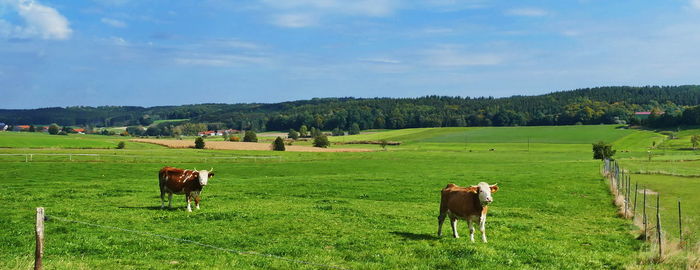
(485, 193)
(203, 177)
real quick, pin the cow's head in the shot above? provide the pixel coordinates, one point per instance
(204, 176)
(484, 191)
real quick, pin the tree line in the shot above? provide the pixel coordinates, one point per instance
(602, 105)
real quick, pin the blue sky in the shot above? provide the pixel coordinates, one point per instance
(149, 52)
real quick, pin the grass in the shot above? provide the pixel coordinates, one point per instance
(79, 141)
(372, 210)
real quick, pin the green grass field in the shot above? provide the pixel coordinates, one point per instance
(79, 141)
(374, 210)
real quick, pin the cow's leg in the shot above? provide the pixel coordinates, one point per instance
(196, 201)
(170, 200)
(453, 222)
(482, 228)
(162, 198)
(189, 207)
(471, 229)
(441, 219)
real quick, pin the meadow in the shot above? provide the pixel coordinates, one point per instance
(370, 210)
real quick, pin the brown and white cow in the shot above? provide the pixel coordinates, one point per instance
(469, 203)
(178, 181)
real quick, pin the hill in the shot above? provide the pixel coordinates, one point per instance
(607, 105)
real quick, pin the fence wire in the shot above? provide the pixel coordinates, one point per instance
(229, 250)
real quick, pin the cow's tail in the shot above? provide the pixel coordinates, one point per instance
(162, 174)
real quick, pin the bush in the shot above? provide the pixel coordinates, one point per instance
(278, 144)
(354, 129)
(199, 143)
(602, 150)
(62, 132)
(121, 145)
(53, 129)
(250, 136)
(235, 139)
(321, 141)
(293, 134)
(695, 140)
(32, 128)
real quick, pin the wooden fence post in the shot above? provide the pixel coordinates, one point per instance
(634, 208)
(39, 252)
(644, 212)
(658, 224)
(680, 222)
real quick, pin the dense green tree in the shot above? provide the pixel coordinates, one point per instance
(293, 134)
(32, 128)
(250, 136)
(199, 143)
(136, 130)
(278, 144)
(695, 140)
(321, 141)
(54, 129)
(602, 150)
(303, 131)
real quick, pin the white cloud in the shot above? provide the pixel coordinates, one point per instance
(357, 7)
(380, 60)
(453, 56)
(113, 22)
(527, 12)
(40, 21)
(695, 4)
(306, 13)
(294, 20)
(219, 60)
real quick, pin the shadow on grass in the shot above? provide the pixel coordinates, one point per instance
(415, 236)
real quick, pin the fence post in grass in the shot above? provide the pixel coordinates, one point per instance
(680, 222)
(658, 224)
(39, 251)
(644, 212)
(634, 208)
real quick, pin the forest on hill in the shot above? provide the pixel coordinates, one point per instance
(601, 105)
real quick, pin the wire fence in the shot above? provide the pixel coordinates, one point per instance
(185, 241)
(637, 203)
(81, 157)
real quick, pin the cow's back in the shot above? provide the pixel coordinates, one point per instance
(460, 201)
(178, 180)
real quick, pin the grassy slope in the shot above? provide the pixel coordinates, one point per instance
(672, 172)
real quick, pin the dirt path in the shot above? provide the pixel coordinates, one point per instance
(222, 145)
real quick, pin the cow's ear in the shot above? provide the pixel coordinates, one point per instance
(494, 188)
(473, 189)
(211, 174)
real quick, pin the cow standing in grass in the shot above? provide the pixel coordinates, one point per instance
(469, 203)
(178, 181)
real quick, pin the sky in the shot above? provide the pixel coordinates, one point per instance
(152, 52)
